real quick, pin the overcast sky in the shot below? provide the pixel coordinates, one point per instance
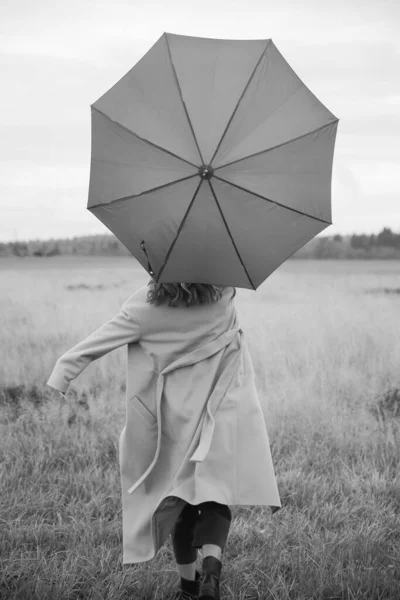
(57, 58)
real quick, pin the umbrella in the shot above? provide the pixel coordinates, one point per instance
(211, 161)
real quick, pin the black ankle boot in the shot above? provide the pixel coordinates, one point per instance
(209, 582)
(189, 590)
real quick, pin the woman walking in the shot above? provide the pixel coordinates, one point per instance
(195, 440)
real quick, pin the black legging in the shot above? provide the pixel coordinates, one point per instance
(205, 523)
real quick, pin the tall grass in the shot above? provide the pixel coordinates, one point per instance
(325, 352)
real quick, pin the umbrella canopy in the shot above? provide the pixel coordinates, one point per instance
(211, 161)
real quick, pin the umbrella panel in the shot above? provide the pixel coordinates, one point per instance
(124, 165)
(296, 174)
(147, 101)
(212, 75)
(276, 107)
(154, 217)
(265, 234)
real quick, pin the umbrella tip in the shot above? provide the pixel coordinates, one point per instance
(206, 171)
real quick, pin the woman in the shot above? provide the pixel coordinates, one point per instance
(195, 439)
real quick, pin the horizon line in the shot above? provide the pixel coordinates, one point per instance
(112, 235)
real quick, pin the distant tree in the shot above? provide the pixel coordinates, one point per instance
(19, 248)
(54, 251)
(321, 247)
(4, 249)
(360, 241)
(113, 245)
(388, 238)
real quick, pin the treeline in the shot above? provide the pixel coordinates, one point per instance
(385, 244)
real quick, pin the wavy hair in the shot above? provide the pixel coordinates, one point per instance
(184, 294)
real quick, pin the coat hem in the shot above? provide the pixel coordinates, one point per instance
(153, 553)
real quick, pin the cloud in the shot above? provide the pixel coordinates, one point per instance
(23, 174)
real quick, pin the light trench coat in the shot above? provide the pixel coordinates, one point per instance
(195, 430)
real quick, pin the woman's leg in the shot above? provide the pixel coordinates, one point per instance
(182, 538)
(212, 528)
(212, 550)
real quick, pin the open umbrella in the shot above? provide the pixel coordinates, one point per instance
(211, 161)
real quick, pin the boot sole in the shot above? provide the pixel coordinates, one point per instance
(209, 594)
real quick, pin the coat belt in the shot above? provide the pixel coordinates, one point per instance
(214, 400)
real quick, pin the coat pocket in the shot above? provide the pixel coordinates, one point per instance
(138, 441)
(143, 410)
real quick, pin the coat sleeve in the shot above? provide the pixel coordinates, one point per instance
(120, 330)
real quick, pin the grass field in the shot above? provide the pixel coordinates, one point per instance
(324, 339)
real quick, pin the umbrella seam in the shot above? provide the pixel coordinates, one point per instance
(277, 146)
(275, 109)
(230, 235)
(240, 99)
(145, 140)
(181, 96)
(144, 192)
(179, 230)
(273, 201)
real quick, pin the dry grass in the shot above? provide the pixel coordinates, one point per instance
(327, 357)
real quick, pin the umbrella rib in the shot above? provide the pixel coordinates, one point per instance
(230, 235)
(277, 145)
(142, 139)
(179, 230)
(143, 193)
(181, 96)
(238, 102)
(273, 201)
